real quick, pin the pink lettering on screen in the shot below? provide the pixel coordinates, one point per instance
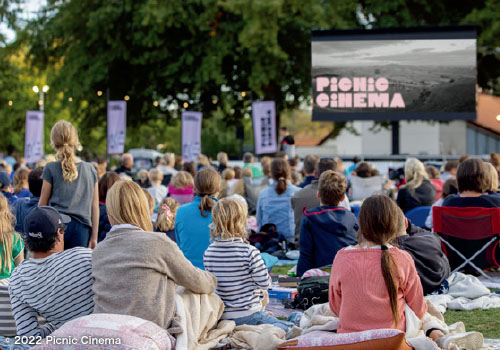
(356, 92)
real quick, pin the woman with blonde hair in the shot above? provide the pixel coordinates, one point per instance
(21, 189)
(70, 186)
(132, 259)
(165, 222)
(181, 187)
(418, 190)
(492, 176)
(12, 244)
(192, 222)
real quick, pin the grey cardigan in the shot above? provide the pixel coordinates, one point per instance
(136, 272)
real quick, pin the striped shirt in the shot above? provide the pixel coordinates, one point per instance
(241, 275)
(58, 288)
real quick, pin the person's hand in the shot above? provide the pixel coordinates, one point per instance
(93, 243)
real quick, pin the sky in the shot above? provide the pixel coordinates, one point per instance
(29, 9)
(452, 52)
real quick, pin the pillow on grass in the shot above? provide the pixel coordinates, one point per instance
(377, 339)
(108, 331)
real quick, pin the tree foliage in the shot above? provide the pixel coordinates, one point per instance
(216, 56)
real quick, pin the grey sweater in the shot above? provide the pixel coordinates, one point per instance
(136, 272)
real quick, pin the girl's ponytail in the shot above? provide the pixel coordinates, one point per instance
(280, 172)
(206, 185)
(64, 140)
(66, 155)
(390, 282)
(281, 185)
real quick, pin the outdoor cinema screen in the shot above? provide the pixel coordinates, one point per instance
(394, 74)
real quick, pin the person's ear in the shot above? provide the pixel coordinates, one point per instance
(317, 194)
(60, 234)
(343, 198)
(406, 223)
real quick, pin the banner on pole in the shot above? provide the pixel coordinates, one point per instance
(117, 126)
(191, 135)
(264, 127)
(33, 137)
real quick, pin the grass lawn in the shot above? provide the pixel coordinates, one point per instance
(486, 322)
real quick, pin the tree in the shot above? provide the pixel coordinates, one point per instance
(200, 53)
(210, 55)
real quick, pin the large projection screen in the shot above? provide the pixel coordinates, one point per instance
(394, 74)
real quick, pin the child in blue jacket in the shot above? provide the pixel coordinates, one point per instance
(326, 229)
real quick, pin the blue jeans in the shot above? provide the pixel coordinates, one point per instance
(76, 234)
(263, 317)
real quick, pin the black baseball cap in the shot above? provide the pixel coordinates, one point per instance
(43, 222)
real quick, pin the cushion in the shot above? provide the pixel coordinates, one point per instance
(377, 339)
(108, 331)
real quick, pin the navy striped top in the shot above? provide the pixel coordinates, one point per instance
(241, 276)
(57, 288)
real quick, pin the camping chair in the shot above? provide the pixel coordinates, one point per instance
(418, 215)
(471, 234)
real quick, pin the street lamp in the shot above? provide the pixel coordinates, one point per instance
(41, 94)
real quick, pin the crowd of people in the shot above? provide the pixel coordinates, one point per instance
(120, 242)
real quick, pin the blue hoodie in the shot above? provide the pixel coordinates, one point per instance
(324, 230)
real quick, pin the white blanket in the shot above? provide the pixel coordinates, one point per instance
(466, 293)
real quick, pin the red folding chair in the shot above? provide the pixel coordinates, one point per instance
(469, 234)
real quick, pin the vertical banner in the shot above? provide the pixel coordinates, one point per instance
(33, 137)
(191, 135)
(117, 126)
(264, 127)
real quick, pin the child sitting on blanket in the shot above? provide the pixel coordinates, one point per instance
(238, 266)
(372, 281)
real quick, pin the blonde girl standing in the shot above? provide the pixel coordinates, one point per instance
(70, 186)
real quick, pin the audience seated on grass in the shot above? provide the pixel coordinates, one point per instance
(105, 183)
(310, 163)
(21, 189)
(181, 187)
(449, 170)
(326, 229)
(450, 187)
(241, 274)
(365, 181)
(418, 190)
(473, 182)
(424, 247)
(165, 221)
(23, 206)
(435, 180)
(6, 187)
(136, 270)
(71, 187)
(157, 190)
(248, 163)
(192, 232)
(308, 196)
(274, 206)
(372, 281)
(56, 284)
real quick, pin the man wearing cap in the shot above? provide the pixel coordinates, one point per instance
(6, 187)
(57, 283)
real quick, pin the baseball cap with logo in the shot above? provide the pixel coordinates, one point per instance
(43, 222)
